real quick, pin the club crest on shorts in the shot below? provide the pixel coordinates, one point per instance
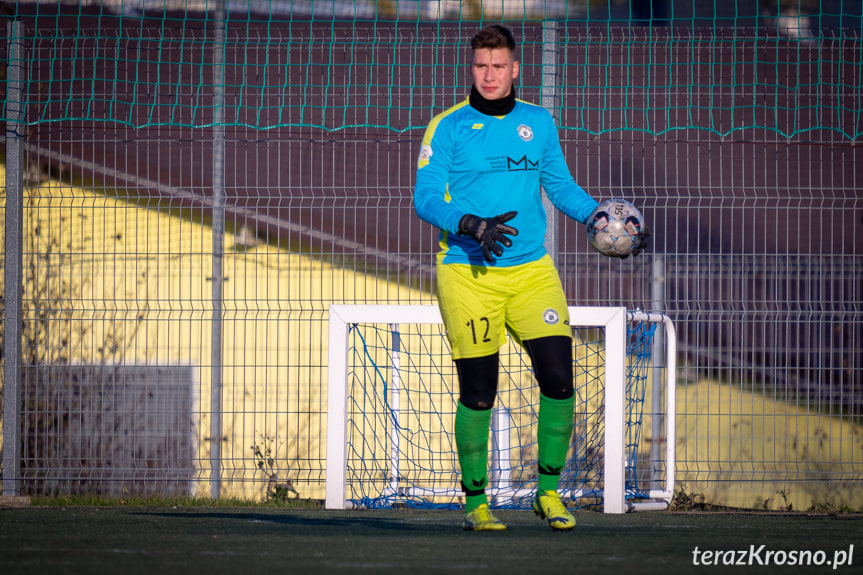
(525, 133)
(550, 316)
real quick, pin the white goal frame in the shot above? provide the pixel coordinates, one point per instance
(612, 319)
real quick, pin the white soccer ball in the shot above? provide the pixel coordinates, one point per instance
(616, 228)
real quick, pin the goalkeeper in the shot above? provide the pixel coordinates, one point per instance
(478, 180)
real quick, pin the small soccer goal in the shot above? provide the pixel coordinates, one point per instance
(392, 393)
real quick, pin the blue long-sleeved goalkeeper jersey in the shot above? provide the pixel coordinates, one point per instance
(489, 165)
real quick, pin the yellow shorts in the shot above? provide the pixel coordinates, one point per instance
(479, 304)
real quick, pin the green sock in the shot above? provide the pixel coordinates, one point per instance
(471, 439)
(554, 430)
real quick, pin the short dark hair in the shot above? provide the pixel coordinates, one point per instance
(493, 37)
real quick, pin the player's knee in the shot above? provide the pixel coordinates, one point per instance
(556, 384)
(478, 381)
(552, 365)
(478, 406)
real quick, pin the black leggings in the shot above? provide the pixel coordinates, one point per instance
(552, 365)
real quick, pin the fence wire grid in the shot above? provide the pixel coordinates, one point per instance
(193, 188)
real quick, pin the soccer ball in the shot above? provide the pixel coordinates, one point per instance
(615, 228)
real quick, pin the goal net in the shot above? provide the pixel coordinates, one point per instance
(392, 396)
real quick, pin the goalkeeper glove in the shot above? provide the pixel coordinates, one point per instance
(488, 232)
(642, 242)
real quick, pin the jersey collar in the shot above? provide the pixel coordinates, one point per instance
(500, 107)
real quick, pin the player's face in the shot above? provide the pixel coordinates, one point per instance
(493, 72)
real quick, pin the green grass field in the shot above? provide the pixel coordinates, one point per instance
(163, 540)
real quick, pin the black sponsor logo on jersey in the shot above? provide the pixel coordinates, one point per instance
(522, 164)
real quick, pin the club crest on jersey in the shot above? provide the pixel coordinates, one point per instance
(425, 154)
(525, 133)
(550, 316)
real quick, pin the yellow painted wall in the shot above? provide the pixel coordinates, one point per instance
(140, 276)
(727, 438)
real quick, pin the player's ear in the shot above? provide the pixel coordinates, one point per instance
(515, 70)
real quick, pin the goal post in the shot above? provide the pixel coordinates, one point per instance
(391, 395)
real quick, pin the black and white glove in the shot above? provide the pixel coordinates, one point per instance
(642, 242)
(488, 232)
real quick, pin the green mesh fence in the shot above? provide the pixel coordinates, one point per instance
(324, 103)
(786, 66)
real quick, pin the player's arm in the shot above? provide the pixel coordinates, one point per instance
(431, 196)
(432, 176)
(559, 185)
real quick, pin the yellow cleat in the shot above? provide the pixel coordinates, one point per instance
(548, 505)
(481, 519)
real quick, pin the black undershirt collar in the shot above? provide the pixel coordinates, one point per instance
(500, 107)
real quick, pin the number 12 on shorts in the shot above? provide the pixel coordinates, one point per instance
(482, 326)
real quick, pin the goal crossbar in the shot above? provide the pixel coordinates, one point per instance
(613, 320)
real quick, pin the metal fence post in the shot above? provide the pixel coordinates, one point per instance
(15, 90)
(550, 100)
(218, 233)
